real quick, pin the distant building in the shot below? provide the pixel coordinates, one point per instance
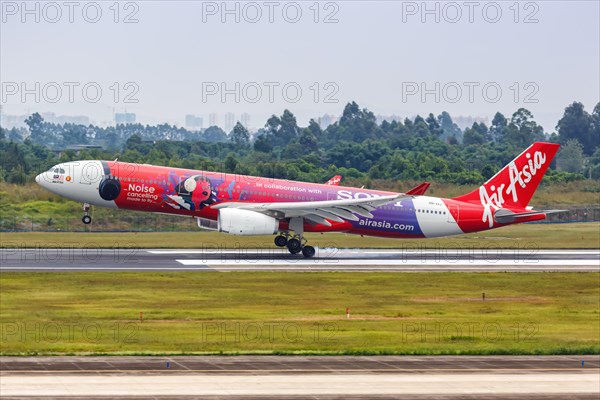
(326, 120)
(467, 122)
(124, 118)
(9, 121)
(194, 122)
(229, 122)
(213, 119)
(388, 118)
(72, 119)
(245, 120)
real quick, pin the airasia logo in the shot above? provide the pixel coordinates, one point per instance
(495, 200)
(140, 188)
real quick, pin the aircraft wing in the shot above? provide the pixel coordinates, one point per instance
(319, 211)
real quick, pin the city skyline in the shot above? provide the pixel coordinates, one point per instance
(196, 122)
(393, 58)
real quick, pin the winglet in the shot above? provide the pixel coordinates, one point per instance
(419, 190)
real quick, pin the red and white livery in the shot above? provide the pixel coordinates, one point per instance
(248, 205)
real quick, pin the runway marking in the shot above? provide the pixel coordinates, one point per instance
(284, 371)
(408, 251)
(408, 262)
(307, 268)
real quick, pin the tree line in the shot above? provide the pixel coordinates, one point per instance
(423, 148)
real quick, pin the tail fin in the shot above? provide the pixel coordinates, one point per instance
(335, 181)
(515, 184)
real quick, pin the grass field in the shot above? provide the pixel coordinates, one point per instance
(277, 313)
(527, 236)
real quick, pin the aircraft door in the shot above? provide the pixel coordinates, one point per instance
(454, 213)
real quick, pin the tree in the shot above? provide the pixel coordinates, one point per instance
(596, 126)
(570, 157)
(576, 123)
(240, 135)
(308, 141)
(214, 134)
(498, 127)
(475, 135)
(433, 125)
(449, 128)
(283, 130)
(522, 130)
(263, 144)
(230, 162)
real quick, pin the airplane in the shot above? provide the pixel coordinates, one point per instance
(248, 205)
(417, 190)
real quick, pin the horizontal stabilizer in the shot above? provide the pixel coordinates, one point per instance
(504, 216)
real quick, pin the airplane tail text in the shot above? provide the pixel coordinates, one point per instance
(514, 185)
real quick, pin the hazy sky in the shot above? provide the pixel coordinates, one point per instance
(476, 59)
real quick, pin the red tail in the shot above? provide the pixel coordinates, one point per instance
(515, 184)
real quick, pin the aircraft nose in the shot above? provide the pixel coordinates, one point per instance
(41, 179)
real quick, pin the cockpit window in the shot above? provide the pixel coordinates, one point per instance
(58, 170)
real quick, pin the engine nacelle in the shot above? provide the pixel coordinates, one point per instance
(244, 222)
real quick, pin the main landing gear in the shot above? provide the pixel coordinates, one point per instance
(86, 214)
(296, 243)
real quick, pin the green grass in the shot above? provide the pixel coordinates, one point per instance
(283, 313)
(527, 236)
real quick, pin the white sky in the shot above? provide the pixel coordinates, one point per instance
(373, 52)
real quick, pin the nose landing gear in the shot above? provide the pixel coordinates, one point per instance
(86, 214)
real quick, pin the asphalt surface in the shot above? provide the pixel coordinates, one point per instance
(410, 260)
(302, 377)
(298, 364)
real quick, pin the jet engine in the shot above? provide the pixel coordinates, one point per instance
(244, 222)
(109, 189)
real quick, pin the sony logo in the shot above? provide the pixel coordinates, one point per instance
(140, 188)
(348, 195)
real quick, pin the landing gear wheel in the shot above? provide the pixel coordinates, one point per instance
(281, 241)
(308, 251)
(86, 219)
(294, 246)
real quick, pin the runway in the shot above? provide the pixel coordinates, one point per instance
(295, 377)
(359, 260)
